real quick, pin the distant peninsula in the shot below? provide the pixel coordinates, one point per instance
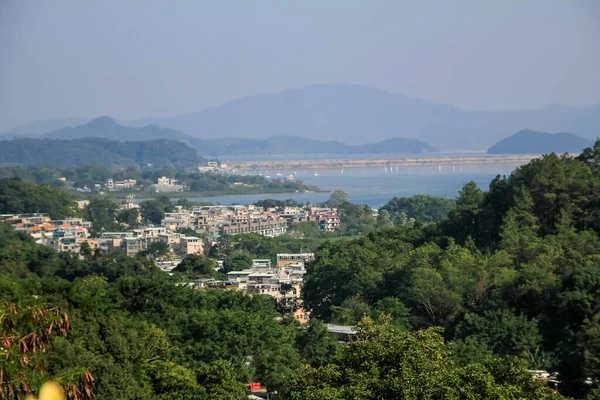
(533, 142)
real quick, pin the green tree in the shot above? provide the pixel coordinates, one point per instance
(197, 266)
(504, 333)
(463, 220)
(356, 219)
(18, 196)
(422, 208)
(387, 363)
(237, 262)
(342, 269)
(153, 211)
(85, 250)
(315, 345)
(102, 213)
(384, 220)
(305, 230)
(156, 249)
(337, 198)
(129, 217)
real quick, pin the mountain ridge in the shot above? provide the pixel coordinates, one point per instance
(528, 141)
(108, 128)
(351, 113)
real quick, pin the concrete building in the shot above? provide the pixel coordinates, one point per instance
(285, 259)
(132, 246)
(177, 220)
(163, 180)
(116, 235)
(329, 222)
(150, 232)
(191, 245)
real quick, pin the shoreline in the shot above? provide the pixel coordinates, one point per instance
(356, 163)
(150, 196)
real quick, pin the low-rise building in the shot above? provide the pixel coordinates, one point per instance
(163, 180)
(177, 220)
(329, 222)
(191, 245)
(132, 246)
(285, 259)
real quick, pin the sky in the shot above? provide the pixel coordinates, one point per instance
(141, 58)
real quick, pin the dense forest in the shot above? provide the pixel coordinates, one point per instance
(458, 309)
(109, 153)
(514, 271)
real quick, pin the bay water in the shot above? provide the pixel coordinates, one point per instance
(375, 186)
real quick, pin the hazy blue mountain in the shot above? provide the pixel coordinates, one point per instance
(110, 153)
(277, 145)
(356, 114)
(108, 128)
(532, 142)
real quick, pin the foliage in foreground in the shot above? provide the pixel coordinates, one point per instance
(390, 363)
(514, 271)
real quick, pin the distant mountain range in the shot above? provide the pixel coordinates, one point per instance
(532, 142)
(352, 114)
(106, 127)
(110, 153)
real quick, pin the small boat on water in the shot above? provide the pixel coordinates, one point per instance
(279, 174)
(268, 176)
(290, 177)
(342, 170)
(440, 168)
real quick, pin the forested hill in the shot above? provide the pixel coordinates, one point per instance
(512, 271)
(533, 142)
(109, 153)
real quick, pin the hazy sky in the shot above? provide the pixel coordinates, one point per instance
(132, 59)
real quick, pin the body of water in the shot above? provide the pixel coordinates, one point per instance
(376, 186)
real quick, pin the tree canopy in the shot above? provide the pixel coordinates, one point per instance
(18, 196)
(463, 308)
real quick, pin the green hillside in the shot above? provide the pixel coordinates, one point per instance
(109, 153)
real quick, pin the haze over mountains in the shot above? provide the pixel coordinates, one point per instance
(356, 114)
(106, 127)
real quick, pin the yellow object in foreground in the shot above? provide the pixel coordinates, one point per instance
(50, 391)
